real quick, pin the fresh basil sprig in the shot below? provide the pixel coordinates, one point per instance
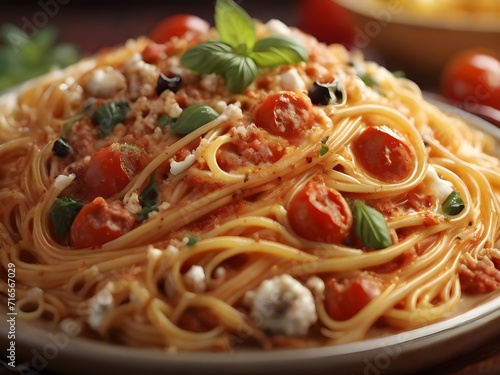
(370, 226)
(237, 55)
(453, 205)
(63, 213)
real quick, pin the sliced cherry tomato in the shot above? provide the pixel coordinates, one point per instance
(320, 213)
(111, 169)
(326, 20)
(346, 298)
(383, 155)
(178, 25)
(99, 222)
(473, 76)
(285, 113)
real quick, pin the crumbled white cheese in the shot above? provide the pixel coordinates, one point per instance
(100, 306)
(195, 277)
(219, 272)
(220, 106)
(278, 28)
(132, 203)
(180, 166)
(104, 83)
(154, 253)
(292, 81)
(209, 82)
(283, 305)
(171, 251)
(436, 186)
(316, 285)
(142, 77)
(61, 182)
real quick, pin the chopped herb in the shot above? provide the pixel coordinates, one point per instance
(108, 116)
(192, 240)
(453, 205)
(63, 213)
(370, 226)
(165, 120)
(324, 148)
(61, 148)
(399, 74)
(148, 199)
(238, 55)
(68, 125)
(368, 80)
(192, 118)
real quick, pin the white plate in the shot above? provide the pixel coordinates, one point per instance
(477, 320)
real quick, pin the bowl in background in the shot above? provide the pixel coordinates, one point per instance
(398, 35)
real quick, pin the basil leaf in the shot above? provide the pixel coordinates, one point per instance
(192, 118)
(240, 72)
(165, 120)
(148, 199)
(370, 226)
(275, 51)
(453, 205)
(209, 57)
(108, 116)
(63, 213)
(234, 25)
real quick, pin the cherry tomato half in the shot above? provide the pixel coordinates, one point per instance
(99, 222)
(383, 155)
(111, 169)
(320, 213)
(178, 25)
(286, 113)
(346, 298)
(326, 20)
(473, 76)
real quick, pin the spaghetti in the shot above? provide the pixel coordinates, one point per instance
(280, 220)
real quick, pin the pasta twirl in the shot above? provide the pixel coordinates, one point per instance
(323, 199)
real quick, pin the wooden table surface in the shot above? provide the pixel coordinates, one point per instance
(92, 25)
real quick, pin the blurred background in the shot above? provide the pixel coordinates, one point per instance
(434, 42)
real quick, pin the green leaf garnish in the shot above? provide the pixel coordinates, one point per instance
(165, 120)
(234, 25)
(63, 213)
(399, 74)
(453, 205)
(275, 51)
(324, 148)
(237, 55)
(370, 226)
(108, 116)
(192, 118)
(148, 199)
(192, 240)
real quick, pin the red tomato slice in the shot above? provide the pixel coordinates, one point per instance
(473, 76)
(99, 222)
(285, 113)
(320, 213)
(383, 155)
(111, 169)
(345, 299)
(177, 26)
